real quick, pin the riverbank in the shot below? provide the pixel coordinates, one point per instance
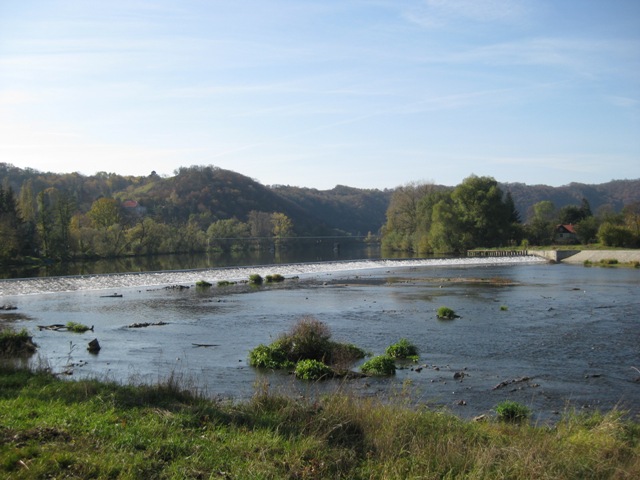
(600, 256)
(90, 429)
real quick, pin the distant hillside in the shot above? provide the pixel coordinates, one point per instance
(614, 194)
(347, 209)
(209, 193)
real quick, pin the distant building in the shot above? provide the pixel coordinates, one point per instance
(133, 208)
(566, 234)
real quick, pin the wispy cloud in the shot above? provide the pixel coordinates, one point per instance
(443, 13)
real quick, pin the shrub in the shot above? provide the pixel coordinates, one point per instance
(312, 370)
(203, 284)
(510, 411)
(403, 349)
(77, 327)
(609, 261)
(16, 343)
(503, 308)
(344, 354)
(275, 278)
(255, 279)
(446, 313)
(225, 283)
(380, 365)
(269, 356)
(309, 338)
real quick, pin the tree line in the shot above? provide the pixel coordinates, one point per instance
(424, 218)
(49, 225)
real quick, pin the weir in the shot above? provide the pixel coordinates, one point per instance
(498, 253)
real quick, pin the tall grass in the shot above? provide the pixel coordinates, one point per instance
(88, 429)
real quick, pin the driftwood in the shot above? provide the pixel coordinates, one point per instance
(509, 382)
(58, 327)
(206, 345)
(146, 324)
(8, 307)
(113, 295)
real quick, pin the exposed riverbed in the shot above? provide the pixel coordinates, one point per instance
(550, 336)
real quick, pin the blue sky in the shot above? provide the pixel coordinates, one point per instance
(315, 93)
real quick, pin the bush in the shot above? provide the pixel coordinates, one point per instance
(312, 370)
(503, 308)
(225, 283)
(269, 356)
(309, 338)
(609, 261)
(275, 278)
(380, 365)
(403, 349)
(446, 313)
(15, 343)
(510, 411)
(255, 279)
(203, 284)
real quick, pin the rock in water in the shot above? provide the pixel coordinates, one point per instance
(94, 346)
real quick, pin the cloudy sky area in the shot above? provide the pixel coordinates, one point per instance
(314, 93)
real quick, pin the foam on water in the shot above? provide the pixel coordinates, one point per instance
(31, 286)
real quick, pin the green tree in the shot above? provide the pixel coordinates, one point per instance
(104, 213)
(260, 223)
(406, 212)
(541, 229)
(587, 230)
(483, 215)
(282, 226)
(9, 225)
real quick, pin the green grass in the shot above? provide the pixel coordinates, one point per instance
(510, 411)
(87, 429)
(77, 327)
(446, 313)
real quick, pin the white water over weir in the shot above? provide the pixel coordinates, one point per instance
(41, 285)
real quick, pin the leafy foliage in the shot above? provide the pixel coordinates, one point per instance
(402, 349)
(379, 365)
(510, 411)
(446, 313)
(312, 370)
(308, 339)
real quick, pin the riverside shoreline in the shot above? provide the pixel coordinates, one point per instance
(596, 256)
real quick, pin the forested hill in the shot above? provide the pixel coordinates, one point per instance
(208, 193)
(612, 195)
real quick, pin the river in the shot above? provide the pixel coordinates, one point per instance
(554, 337)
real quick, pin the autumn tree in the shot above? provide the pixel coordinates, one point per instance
(282, 226)
(104, 212)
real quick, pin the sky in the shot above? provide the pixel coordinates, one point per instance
(318, 93)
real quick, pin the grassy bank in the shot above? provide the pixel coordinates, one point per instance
(88, 429)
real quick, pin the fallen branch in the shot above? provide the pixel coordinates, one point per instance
(509, 382)
(204, 345)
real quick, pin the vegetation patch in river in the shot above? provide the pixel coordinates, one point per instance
(308, 339)
(14, 344)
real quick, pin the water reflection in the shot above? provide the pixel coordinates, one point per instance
(312, 251)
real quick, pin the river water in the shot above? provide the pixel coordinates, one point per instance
(554, 337)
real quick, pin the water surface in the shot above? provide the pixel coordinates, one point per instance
(553, 337)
